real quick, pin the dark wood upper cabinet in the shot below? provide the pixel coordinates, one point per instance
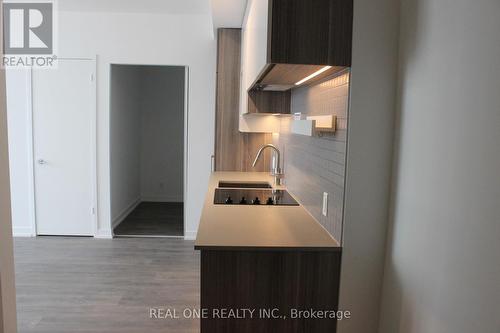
(310, 32)
(304, 36)
(286, 41)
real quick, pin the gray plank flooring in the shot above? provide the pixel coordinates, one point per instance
(67, 285)
(154, 219)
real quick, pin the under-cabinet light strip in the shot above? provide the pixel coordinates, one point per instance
(313, 75)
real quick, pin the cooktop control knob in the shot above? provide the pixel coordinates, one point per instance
(256, 201)
(243, 201)
(270, 201)
(229, 201)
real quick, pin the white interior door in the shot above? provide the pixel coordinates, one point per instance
(63, 144)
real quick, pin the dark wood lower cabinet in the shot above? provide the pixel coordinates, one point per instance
(272, 284)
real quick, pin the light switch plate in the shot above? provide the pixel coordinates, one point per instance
(325, 204)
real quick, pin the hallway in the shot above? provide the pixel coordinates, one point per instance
(154, 219)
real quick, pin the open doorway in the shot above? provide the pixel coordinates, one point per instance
(147, 150)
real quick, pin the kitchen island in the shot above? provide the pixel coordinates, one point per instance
(262, 264)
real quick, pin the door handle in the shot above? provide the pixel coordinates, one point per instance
(42, 161)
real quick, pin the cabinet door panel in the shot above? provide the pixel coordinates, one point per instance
(255, 39)
(315, 32)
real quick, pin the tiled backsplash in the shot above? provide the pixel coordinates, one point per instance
(314, 165)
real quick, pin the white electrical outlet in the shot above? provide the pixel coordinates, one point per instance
(325, 204)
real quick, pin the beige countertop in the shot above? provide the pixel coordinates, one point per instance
(259, 227)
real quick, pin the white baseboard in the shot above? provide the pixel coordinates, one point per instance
(124, 213)
(190, 235)
(22, 232)
(165, 198)
(104, 234)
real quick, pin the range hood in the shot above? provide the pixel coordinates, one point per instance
(283, 77)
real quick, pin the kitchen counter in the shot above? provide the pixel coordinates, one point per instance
(258, 227)
(264, 257)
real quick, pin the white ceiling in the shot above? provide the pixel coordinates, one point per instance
(228, 13)
(225, 13)
(137, 6)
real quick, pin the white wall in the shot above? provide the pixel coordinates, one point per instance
(146, 136)
(160, 40)
(442, 267)
(125, 38)
(369, 156)
(7, 284)
(151, 39)
(125, 140)
(21, 173)
(162, 133)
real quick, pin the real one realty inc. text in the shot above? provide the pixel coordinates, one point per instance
(246, 313)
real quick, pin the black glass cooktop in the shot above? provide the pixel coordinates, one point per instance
(224, 196)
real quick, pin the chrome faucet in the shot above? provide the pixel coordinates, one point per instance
(276, 171)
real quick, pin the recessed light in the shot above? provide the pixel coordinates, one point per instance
(313, 75)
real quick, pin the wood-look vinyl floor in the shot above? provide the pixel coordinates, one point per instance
(67, 285)
(154, 219)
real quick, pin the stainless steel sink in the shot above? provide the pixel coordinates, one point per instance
(243, 184)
